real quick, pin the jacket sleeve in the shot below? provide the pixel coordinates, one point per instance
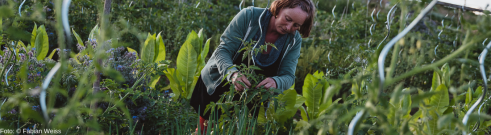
(230, 43)
(286, 76)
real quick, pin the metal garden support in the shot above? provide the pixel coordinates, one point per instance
(484, 90)
(388, 24)
(42, 96)
(20, 7)
(381, 60)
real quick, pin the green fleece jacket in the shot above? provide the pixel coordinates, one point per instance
(244, 24)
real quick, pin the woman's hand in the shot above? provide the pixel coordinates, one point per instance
(238, 77)
(267, 83)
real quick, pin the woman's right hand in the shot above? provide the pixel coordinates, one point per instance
(239, 77)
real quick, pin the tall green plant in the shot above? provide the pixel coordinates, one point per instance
(153, 51)
(190, 61)
(316, 96)
(40, 41)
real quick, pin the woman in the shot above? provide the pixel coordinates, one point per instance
(282, 25)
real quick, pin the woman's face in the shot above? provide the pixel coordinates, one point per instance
(290, 19)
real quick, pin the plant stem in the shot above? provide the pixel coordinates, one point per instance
(431, 66)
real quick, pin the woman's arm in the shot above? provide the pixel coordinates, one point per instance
(230, 42)
(286, 76)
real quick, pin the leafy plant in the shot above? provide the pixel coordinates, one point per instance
(190, 61)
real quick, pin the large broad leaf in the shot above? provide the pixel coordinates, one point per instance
(202, 57)
(478, 92)
(34, 34)
(302, 124)
(261, 119)
(206, 49)
(287, 100)
(186, 63)
(406, 104)
(303, 113)
(432, 123)
(440, 101)
(79, 40)
(193, 39)
(200, 40)
(326, 107)
(299, 101)
(154, 81)
(171, 74)
(312, 93)
(41, 43)
(160, 52)
(148, 50)
(190, 91)
(94, 33)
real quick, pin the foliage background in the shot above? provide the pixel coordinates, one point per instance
(341, 46)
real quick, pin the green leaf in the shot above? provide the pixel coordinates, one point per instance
(27, 113)
(1, 31)
(436, 81)
(468, 97)
(303, 113)
(406, 103)
(42, 43)
(94, 33)
(132, 50)
(299, 101)
(301, 125)
(171, 74)
(203, 54)
(34, 35)
(200, 40)
(113, 74)
(154, 81)
(190, 91)
(20, 44)
(445, 77)
(355, 90)
(261, 119)
(148, 50)
(52, 53)
(440, 101)
(193, 39)
(206, 49)
(432, 124)
(312, 93)
(160, 52)
(186, 63)
(288, 100)
(79, 40)
(478, 92)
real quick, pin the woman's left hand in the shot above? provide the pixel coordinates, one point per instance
(267, 83)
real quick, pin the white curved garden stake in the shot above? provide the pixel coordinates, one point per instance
(484, 90)
(381, 60)
(42, 96)
(64, 17)
(388, 24)
(20, 7)
(333, 12)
